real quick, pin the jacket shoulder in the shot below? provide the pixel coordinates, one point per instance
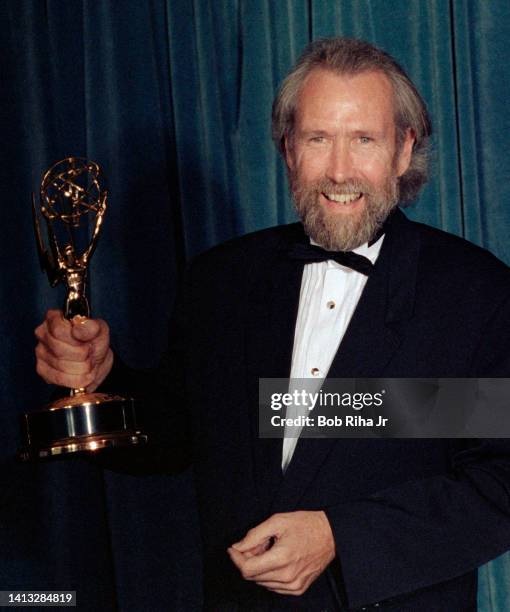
(258, 247)
(459, 260)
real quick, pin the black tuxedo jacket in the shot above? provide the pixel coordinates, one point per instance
(412, 518)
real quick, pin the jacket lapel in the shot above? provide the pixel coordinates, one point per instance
(273, 298)
(374, 334)
(375, 330)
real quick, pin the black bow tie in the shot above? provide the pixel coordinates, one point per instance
(310, 253)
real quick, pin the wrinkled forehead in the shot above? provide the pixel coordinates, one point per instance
(325, 92)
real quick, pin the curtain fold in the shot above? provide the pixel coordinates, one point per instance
(173, 99)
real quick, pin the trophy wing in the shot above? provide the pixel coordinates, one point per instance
(46, 260)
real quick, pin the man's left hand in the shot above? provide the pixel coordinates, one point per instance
(287, 552)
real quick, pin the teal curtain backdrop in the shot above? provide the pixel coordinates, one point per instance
(173, 100)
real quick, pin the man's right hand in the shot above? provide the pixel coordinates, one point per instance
(73, 353)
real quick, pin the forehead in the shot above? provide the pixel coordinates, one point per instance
(338, 98)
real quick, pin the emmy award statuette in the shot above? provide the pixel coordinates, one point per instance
(73, 203)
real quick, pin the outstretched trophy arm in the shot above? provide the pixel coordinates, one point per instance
(100, 211)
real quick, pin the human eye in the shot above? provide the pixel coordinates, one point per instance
(365, 140)
(317, 139)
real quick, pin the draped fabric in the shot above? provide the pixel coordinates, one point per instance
(173, 100)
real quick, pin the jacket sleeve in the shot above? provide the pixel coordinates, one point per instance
(424, 532)
(428, 531)
(162, 411)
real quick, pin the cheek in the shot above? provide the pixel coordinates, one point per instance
(311, 166)
(374, 167)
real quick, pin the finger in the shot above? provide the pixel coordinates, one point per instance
(59, 328)
(279, 575)
(259, 549)
(253, 566)
(82, 366)
(240, 560)
(101, 344)
(84, 329)
(236, 557)
(62, 379)
(273, 585)
(62, 350)
(286, 591)
(54, 313)
(284, 574)
(101, 371)
(257, 536)
(297, 587)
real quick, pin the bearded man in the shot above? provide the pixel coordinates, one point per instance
(316, 524)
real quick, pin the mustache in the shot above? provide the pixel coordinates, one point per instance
(325, 185)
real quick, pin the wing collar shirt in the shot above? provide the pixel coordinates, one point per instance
(329, 295)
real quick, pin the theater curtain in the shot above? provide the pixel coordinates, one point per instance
(173, 100)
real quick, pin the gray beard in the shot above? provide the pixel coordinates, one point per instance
(341, 232)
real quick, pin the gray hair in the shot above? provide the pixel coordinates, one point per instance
(352, 56)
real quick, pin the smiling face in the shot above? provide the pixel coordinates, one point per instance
(343, 159)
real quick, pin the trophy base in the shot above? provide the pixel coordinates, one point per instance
(82, 423)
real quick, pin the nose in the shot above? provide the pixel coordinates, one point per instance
(340, 165)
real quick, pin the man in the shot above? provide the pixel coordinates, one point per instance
(329, 524)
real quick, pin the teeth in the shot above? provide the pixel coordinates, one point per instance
(342, 198)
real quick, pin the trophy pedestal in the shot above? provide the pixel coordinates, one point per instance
(80, 423)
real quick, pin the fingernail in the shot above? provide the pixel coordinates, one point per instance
(80, 319)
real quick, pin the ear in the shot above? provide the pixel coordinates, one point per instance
(406, 151)
(288, 152)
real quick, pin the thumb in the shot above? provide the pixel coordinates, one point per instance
(84, 329)
(259, 549)
(259, 537)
